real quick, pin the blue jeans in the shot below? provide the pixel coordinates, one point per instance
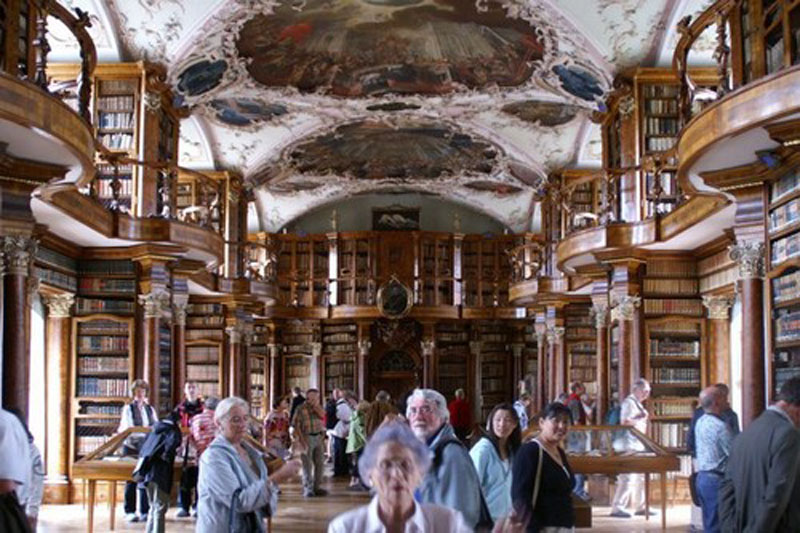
(707, 486)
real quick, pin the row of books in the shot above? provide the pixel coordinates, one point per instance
(297, 370)
(95, 305)
(115, 103)
(493, 369)
(257, 380)
(102, 327)
(661, 107)
(122, 170)
(660, 91)
(666, 375)
(57, 279)
(102, 364)
(107, 285)
(787, 325)
(674, 348)
(791, 357)
(786, 287)
(785, 248)
(714, 262)
(677, 327)
(787, 184)
(659, 144)
(118, 86)
(202, 372)
(788, 213)
(673, 306)
(52, 258)
(670, 286)
(493, 337)
(340, 337)
(672, 409)
(718, 279)
(660, 125)
(208, 388)
(112, 267)
(94, 343)
(339, 369)
(200, 354)
(670, 434)
(672, 269)
(88, 408)
(582, 374)
(116, 141)
(493, 385)
(340, 328)
(115, 120)
(583, 347)
(579, 320)
(573, 332)
(104, 189)
(89, 386)
(204, 309)
(205, 321)
(339, 349)
(205, 334)
(85, 445)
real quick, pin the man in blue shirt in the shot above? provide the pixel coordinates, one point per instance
(713, 438)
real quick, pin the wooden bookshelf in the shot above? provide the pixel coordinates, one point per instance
(495, 366)
(452, 357)
(356, 268)
(106, 287)
(296, 372)
(258, 384)
(485, 270)
(165, 370)
(204, 366)
(103, 366)
(783, 255)
(205, 321)
(56, 269)
(581, 341)
(434, 258)
(297, 338)
(339, 352)
(303, 267)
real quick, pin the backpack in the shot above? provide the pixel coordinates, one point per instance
(485, 522)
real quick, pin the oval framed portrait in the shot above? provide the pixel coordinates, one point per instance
(394, 299)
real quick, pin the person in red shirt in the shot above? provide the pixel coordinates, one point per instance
(460, 415)
(203, 428)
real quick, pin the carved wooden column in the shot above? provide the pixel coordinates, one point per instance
(316, 367)
(361, 368)
(719, 338)
(179, 305)
(557, 361)
(624, 312)
(600, 312)
(518, 372)
(274, 373)
(237, 359)
(428, 351)
(153, 303)
(477, 393)
(19, 252)
(749, 257)
(57, 396)
(541, 367)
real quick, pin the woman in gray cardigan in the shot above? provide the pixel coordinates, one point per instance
(235, 491)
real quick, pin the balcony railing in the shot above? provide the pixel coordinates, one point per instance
(24, 46)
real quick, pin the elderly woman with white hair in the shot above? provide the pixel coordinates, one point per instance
(393, 463)
(235, 491)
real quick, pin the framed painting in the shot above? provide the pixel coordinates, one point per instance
(395, 218)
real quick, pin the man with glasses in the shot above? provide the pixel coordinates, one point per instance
(452, 480)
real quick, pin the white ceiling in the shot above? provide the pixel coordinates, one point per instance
(599, 37)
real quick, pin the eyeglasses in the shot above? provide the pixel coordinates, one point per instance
(423, 410)
(237, 420)
(402, 465)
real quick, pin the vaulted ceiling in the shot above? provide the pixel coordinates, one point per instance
(316, 100)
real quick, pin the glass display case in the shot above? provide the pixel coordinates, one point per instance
(614, 450)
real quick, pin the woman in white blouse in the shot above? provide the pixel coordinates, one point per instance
(393, 463)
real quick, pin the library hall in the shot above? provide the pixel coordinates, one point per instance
(535, 270)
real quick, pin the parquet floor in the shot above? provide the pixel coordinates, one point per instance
(299, 515)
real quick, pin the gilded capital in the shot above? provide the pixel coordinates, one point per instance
(274, 350)
(541, 337)
(155, 303)
(428, 345)
(625, 309)
(316, 349)
(59, 305)
(749, 257)
(718, 306)
(600, 313)
(555, 334)
(179, 304)
(516, 349)
(363, 347)
(19, 252)
(475, 347)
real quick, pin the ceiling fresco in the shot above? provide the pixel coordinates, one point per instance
(371, 47)
(318, 100)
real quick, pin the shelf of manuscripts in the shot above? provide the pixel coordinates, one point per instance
(581, 340)
(495, 366)
(258, 385)
(340, 371)
(164, 367)
(783, 228)
(671, 287)
(435, 275)
(116, 113)
(296, 372)
(203, 366)
(452, 355)
(102, 347)
(106, 287)
(205, 321)
(531, 355)
(339, 339)
(56, 269)
(717, 271)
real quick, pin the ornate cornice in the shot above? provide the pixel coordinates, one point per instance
(625, 309)
(541, 337)
(718, 306)
(179, 304)
(19, 252)
(59, 305)
(749, 257)
(600, 314)
(555, 335)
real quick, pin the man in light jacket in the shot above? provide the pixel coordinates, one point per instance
(452, 480)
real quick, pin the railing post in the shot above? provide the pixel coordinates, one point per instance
(42, 47)
(722, 54)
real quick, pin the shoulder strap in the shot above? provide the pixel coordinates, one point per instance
(438, 450)
(538, 479)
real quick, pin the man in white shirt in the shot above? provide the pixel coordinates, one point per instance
(341, 467)
(15, 472)
(630, 487)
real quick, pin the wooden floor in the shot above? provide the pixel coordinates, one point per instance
(299, 515)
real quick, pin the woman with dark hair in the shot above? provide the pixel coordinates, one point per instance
(493, 456)
(542, 480)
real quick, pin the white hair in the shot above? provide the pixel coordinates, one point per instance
(225, 406)
(433, 396)
(402, 435)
